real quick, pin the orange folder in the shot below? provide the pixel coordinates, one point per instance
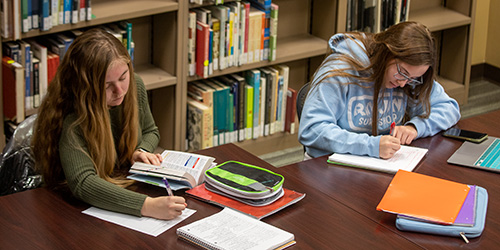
(424, 197)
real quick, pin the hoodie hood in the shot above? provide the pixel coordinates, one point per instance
(346, 44)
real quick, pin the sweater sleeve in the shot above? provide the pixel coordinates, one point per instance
(149, 136)
(445, 113)
(84, 182)
(319, 131)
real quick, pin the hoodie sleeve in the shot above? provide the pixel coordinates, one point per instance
(445, 113)
(319, 131)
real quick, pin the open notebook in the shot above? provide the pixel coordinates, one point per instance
(406, 158)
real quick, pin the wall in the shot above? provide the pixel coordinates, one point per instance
(485, 47)
(480, 32)
(493, 38)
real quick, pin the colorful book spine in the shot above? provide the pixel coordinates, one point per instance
(249, 91)
(215, 43)
(253, 79)
(273, 32)
(13, 89)
(202, 48)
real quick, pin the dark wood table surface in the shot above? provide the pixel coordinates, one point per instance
(362, 189)
(338, 211)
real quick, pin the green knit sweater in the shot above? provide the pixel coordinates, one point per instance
(79, 170)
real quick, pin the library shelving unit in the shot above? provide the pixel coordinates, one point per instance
(157, 52)
(451, 23)
(160, 35)
(301, 44)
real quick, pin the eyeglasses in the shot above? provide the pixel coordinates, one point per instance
(400, 76)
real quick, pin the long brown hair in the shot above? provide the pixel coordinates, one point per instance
(79, 89)
(410, 42)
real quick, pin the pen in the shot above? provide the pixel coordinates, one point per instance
(169, 190)
(393, 125)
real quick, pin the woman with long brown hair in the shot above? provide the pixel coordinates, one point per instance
(367, 83)
(93, 123)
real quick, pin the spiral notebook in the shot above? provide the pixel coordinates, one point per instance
(230, 229)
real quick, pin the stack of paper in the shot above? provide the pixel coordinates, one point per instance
(430, 199)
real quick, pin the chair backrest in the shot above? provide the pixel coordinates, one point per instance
(301, 98)
(17, 164)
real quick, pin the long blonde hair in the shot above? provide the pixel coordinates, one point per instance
(410, 42)
(79, 89)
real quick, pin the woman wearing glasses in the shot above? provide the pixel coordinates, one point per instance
(392, 72)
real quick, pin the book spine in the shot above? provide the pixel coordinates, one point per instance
(273, 32)
(210, 52)
(75, 5)
(249, 111)
(215, 43)
(192, 43)
(89, 10)
(202, 40)
(83, 12)
(262, 105)
(194, 127)
(54, 12)
(24, 16)
(36, 82)
(67, 11)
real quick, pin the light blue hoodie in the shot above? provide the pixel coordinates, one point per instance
(336, 116)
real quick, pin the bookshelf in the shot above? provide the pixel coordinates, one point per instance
(158, 51)
(451, 23)
(301, 45)
(160, 34)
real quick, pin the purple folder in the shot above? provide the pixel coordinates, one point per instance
(467, 213)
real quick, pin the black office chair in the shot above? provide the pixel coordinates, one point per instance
(17, 164)
(301, 98)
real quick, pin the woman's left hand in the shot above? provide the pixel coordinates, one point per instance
(146, 157)
(405, 134)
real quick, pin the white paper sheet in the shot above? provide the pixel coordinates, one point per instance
(147, 225)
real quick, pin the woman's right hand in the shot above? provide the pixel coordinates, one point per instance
(389, 145)
(163, 207)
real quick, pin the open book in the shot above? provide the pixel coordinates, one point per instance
(229, 229)
(183, 170)
(406, 158)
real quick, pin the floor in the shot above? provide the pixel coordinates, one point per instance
(484, 96)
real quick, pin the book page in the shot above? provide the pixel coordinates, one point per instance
(186, 162)
(230, 229)
(405, 158)
(180, 166)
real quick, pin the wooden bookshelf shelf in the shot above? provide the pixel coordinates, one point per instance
(440, 18)
(155, 77)
(112, 11)
(288, 49)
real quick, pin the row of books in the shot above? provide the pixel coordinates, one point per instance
(232, 34)
(240, 107)
(37, 60)
(21, 16)
(375, 15)
(206, 1)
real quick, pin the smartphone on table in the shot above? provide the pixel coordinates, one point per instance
(467, 135)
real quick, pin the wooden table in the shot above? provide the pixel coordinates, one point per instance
(362, 190)
(338, 211)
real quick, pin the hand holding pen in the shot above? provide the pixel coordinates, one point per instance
(164, 207)
(406, 134)
(389, 144)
